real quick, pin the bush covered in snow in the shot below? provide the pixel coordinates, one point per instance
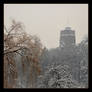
(58, 77)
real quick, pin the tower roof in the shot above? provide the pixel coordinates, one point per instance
(68, 28)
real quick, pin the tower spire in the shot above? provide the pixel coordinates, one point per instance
(68, 22)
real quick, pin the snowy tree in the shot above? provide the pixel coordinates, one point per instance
(83, 51)
(21, 57)
(58, 77)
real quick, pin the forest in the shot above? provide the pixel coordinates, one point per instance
(29, 64)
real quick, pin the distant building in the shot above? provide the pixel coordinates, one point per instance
(68, 51)
(67, 37)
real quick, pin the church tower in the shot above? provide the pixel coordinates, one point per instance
(67, 37)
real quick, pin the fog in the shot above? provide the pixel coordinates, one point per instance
(47, 20)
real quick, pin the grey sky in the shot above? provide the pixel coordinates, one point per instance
(47, 20)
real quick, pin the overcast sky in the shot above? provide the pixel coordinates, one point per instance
(47, 20)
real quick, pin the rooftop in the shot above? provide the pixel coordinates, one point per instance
(68, 28)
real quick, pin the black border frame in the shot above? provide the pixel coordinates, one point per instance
(2, 2)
